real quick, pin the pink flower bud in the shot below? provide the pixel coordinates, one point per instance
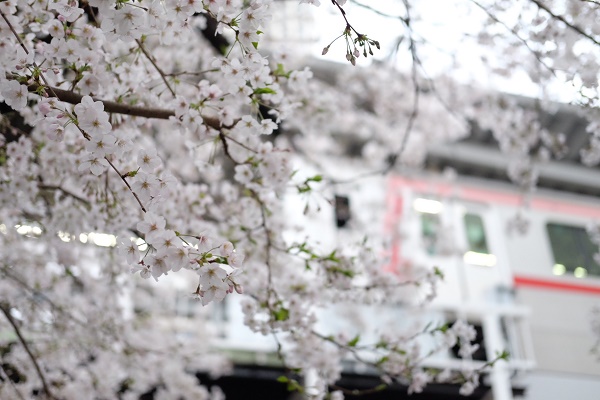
(44, 107)
(239, 289)
(61, 18)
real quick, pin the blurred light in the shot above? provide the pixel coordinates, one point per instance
(64, 236)
(27, 230)
(482, 259)
(559, 269)
(16, 314)
(428, 206)
(142, 246)
(83, 238)
(3, 229)
(102, 239)
(580, 272)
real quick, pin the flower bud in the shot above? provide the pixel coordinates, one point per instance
(325, 50)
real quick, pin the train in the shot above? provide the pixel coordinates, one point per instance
(521, 267)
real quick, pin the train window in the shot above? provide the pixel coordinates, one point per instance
(342, 210)
(429, 211)
(573, 250)
(430, 227)
(478, 252)
(475, 234)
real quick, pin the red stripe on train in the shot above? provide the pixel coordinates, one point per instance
(523, 281)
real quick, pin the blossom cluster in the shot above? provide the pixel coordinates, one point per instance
(134, 120)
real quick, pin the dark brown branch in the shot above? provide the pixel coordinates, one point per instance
(343, 12)
(6, 311)
(118, 108)
(109, 106)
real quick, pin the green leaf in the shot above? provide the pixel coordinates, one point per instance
(382, 360)
(280, 71)
(354, 341)
(282, 314)
(264, 90)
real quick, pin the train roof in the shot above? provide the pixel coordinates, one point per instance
(478, 154)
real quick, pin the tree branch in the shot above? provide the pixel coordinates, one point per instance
(109, 106)
(117, 108)
(562, 19)
(516, 35)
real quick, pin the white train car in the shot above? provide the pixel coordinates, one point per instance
(527, 259)
(521, 269)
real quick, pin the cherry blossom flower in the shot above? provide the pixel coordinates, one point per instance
(211, 274)
(15, 94)
(91, 117)
(146, 186)
(101, 145)
(148, 160)
(152, 227)
(95, 164)
(131, 251)
(215, 292)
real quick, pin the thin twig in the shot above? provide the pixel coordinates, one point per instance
(6, 312)
(516, 35)
(343, 12)
(416, 93)
(64, 191)
(378, 12)
(193, 72)
(562, 19)
(12, 384)
(126, 183)
(151, 59)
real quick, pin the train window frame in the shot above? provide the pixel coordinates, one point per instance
(576, 257)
